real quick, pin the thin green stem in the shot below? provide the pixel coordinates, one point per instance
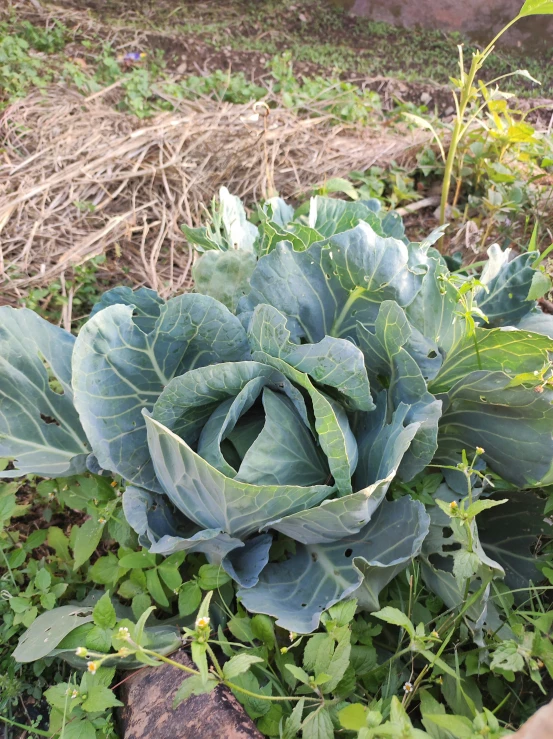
(230, 685)
(28, 728)
(8, 566)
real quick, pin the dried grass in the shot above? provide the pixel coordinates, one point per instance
(78, 178)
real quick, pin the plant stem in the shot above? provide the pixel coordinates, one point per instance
(191, 671)
(456, 136)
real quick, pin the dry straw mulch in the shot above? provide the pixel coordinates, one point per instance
(78, 178)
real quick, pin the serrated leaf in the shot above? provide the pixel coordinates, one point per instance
(88, 539)
(397, 618)
(99, 698)
(318, 725)
(238, 664)
(193, 685)
(104, 613)
(353, 717)
(190, 597)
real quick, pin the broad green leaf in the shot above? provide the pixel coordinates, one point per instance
(211, 577)
(386, 357)
(39, 426)
(331, 424)
(429, 705)
(119, 370)
(509, 535)
(87, 541)
(298, 590)
(330, 287)
(98, 639)
(300, 674)
(292, 724)
(336, 363)
(48, 630)
(155, 588)
(104, 613)
(512, 425)
(505, 298)
(224, 275)
(537, 7)
(537, 322)
(353, 717)
(397, 618)
(263, 629)
(190, 596)
(459, 726)
(318, 725)
(99, 698)
(494, 350)
(214, 501)
(193, 685)
(238, 664)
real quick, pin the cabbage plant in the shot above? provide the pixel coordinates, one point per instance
(278, 431)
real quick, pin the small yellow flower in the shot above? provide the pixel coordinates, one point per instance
(479, 450)
(283, 650)
(454, 504)
(292, 635)
(124, 652)
(435, 635)
(123, 633)
(81, 652)
(540, 663)
(74, 694)
(114, 484)
(92, 667)
(407, 687)
(202, 623)
(101, 519)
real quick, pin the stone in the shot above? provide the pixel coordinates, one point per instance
(540, 726)
(148, 711)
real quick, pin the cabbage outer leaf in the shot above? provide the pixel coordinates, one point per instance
(297, 591)
(39, 428)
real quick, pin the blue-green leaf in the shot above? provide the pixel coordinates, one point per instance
(39, 426)
(330, 287)
(512, 424)
(297, 591)
(336, 363)
(505, 298)
(494, 350)
(163, 529)
(118, 370)
(392, 368)
(215, 501)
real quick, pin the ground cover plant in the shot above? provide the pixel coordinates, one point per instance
(336, 441)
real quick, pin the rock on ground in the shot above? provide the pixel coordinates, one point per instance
(148, 713)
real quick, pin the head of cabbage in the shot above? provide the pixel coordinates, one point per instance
(345, 363)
